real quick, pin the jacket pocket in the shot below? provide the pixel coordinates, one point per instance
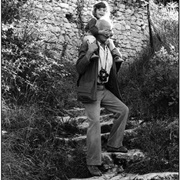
(87, 92)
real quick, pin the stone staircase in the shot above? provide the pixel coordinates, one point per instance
(114, 163)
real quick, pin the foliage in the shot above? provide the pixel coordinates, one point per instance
(10, 10)
(159, 141)
(30, 74)
(31, 149)
(31, 78)
(165, 2)
(165, 24)
(150, 86)
(161, 85)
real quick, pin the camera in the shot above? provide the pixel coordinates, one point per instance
(103, 75)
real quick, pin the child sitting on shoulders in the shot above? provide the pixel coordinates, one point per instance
(100, 10)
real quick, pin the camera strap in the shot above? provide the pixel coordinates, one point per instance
(105, 61)
(105, 58)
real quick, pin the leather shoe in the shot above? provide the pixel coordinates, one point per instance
(103, 167)
(121, 149)
(94, 170)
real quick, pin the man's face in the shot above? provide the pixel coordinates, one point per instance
(102, 38)
(108, 29)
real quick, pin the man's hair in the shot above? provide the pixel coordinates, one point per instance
(102, 23)
(102, 4)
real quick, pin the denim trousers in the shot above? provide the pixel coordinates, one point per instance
(109, 101)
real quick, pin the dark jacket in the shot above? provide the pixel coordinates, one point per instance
(88, 73)
(91, 26)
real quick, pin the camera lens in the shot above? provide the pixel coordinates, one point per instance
(103, 75)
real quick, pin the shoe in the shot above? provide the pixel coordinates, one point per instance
(103, 167)
(121, 149)
(94, 57)
(94, 170)
(118, 59)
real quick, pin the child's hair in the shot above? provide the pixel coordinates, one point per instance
(102, 4)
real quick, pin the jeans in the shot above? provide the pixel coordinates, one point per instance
(109, 101)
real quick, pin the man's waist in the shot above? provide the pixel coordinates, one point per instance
(101, 86)
(98, 83)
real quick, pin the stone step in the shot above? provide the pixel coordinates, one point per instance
(3, 132)
(107, 125)
(106, 121)
(81, 119)
(133, 155)
(81, 139)
(115, 163)
(75, 112)
(78, 114)
(103, 118)
(81, 111)
(128, 176)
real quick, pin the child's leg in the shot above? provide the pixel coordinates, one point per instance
(114, 51)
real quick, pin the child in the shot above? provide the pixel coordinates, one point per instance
(101, 10)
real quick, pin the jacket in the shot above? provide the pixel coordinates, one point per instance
(91, 26)
(88, 73)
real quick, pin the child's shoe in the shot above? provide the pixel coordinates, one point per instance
(118, 59)
(94, 57)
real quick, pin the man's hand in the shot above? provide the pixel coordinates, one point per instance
(92, 47)
(110, 44)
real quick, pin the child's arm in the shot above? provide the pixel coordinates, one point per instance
(92, 26)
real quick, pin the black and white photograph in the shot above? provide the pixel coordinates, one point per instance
(90, 89)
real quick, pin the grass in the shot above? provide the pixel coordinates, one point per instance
(31, 151)
(159, 141)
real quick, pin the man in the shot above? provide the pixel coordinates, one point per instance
(97, 86)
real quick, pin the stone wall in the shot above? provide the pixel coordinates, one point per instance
(58, 25)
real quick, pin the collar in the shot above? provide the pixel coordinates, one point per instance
(100, 44)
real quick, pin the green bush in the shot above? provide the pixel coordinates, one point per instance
(47, 160)
(165, 24)
(161, 83)
(31, 148)
(159, 141)
(164, 2)
(31, 77)
(10, 10)
(150, 85)
(30, 74)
